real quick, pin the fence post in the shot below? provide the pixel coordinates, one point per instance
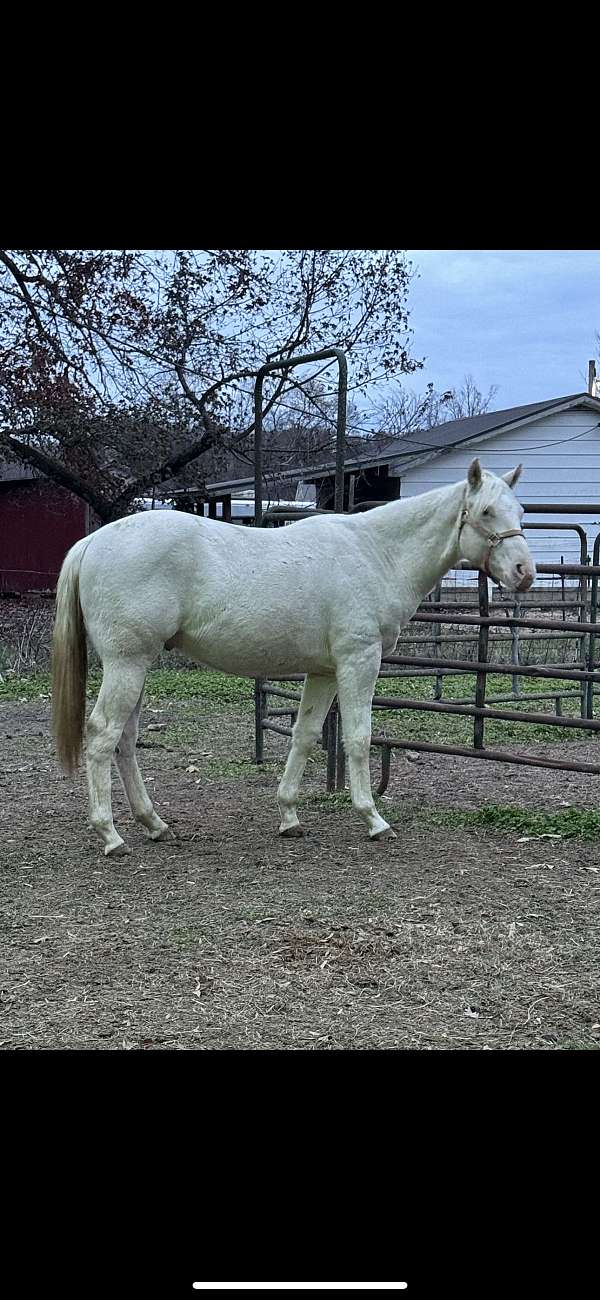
(340, 779)
(332, 730)
(584, 641)
(514, 635)
(482, 654)
(438, 689)
(593, 622)
(259, 704)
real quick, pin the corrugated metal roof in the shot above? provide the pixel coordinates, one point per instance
(472, 426)
(452, 433)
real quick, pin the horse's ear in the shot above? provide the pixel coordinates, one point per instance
(474, 475)
(512, 476)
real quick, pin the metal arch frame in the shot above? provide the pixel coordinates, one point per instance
(289, 364)
(332, 738)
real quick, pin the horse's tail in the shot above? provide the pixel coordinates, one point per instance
(69, 662)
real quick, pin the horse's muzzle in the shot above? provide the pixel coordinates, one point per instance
(526, 580)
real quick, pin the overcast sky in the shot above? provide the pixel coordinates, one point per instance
(525, 320)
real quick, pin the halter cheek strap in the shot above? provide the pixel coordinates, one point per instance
(492, 539)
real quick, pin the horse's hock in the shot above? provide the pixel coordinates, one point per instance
(454, 616)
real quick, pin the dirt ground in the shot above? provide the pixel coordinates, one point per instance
(230, 937)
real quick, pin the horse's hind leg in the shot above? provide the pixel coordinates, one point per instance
(317, 694)
(122, 685)
(137, 794)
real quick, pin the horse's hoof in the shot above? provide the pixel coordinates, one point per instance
(160, 836)
(119, 851)
(387, 834)
(292, 833)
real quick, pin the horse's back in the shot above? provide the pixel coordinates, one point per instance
(236, 598)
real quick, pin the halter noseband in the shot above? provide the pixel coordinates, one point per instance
(493, 539)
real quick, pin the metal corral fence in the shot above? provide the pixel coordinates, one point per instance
(479, 633)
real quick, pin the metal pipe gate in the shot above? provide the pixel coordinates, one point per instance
(438, 612)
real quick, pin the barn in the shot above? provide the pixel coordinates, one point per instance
(558, 442)
(39, 521)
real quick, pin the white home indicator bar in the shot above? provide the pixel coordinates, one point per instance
(300, 1286)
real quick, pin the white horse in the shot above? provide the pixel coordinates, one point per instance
(326, 596)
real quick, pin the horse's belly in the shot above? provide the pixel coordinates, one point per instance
(246, 657)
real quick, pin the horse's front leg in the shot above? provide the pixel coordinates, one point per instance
(317, 695)
(356, 678)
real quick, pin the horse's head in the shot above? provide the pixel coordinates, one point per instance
(490, 533)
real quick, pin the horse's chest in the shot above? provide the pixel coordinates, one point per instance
(391, 625)
(389, 636)
(395, 615)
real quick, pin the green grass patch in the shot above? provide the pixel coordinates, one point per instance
(330, 801)
(161, 684)
(199, 684)
(28, 687)
(456, 729)
(569, 823)
(578, 1045)
(185, 936)
(219, 689)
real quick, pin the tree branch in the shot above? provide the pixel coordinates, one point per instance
(57, 472)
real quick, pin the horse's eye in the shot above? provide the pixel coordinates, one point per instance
(485, 512)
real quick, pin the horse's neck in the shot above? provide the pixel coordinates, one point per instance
(419, 535)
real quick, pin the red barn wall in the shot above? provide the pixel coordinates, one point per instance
(39, 521)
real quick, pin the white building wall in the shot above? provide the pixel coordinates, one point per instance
(561, 460)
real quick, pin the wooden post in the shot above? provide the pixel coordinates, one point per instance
(212, 508)
(227, 509)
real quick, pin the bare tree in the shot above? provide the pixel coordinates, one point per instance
(119, 370)
(406, 412)
(468, 400)
(299, 431)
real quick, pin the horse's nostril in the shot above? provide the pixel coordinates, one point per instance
(521, 570)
